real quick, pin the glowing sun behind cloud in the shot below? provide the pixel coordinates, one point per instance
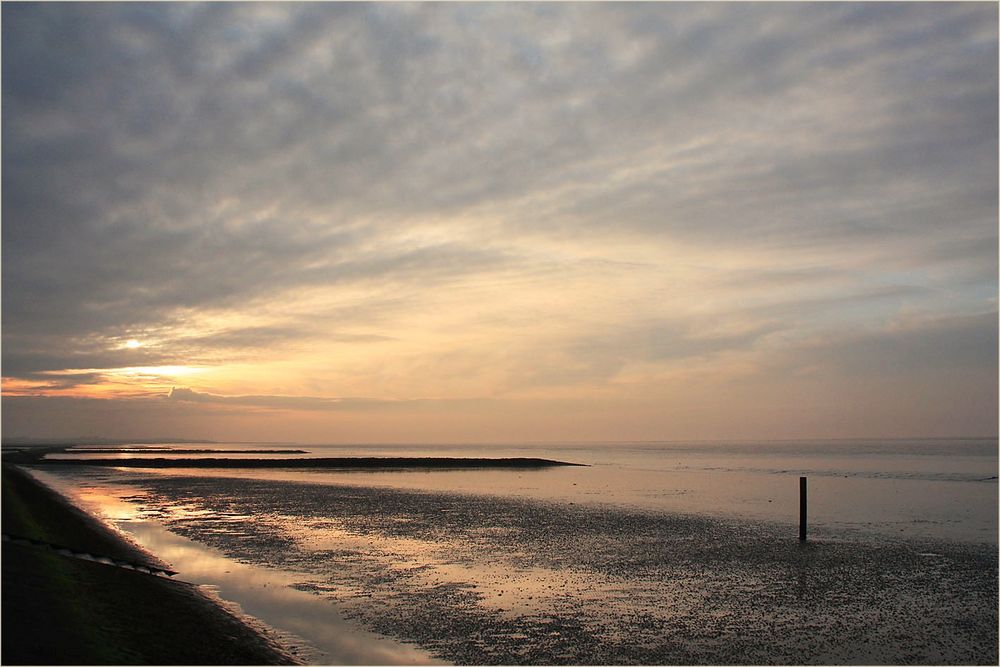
(500, 220)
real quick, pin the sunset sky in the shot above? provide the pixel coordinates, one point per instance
(483, 222)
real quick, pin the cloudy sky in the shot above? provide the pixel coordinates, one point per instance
(486, 222)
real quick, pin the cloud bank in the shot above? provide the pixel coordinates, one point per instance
(501, 202)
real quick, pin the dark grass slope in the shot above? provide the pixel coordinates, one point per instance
(32, 511)
(366, 463)
(59, 610)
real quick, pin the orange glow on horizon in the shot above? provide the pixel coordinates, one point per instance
(126, 382)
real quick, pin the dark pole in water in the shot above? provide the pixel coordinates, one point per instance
(802, 509)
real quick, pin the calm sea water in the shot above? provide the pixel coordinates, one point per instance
(944, 488)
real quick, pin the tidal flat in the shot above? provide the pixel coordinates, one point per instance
(481, 579)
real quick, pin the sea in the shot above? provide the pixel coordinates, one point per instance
(628, 557)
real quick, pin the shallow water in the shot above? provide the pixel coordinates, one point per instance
(312, 628)
(920, 488)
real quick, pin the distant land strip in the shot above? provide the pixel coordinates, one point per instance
(168, 450)
(369, 462)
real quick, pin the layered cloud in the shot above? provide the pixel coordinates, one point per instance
(496, 202)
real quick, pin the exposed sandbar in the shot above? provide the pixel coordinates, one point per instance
(171, 450)
(339, 462)
(481, 579)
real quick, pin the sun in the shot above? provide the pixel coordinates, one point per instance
(132, 343)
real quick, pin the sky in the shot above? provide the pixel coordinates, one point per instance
(486, 222)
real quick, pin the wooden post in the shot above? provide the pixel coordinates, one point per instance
(802, 509)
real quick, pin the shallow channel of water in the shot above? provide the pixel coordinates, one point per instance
(312, 627)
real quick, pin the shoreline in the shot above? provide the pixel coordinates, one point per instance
(541, 582)
(60, 609)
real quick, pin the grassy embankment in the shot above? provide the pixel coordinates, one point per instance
(63, 610)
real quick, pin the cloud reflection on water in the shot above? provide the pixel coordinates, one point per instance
(265, 594)
(311, 625)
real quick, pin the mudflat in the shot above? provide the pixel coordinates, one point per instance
(478, 579)
(59, 609)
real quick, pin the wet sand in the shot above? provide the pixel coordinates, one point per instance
(60, 609)
(491, 580)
